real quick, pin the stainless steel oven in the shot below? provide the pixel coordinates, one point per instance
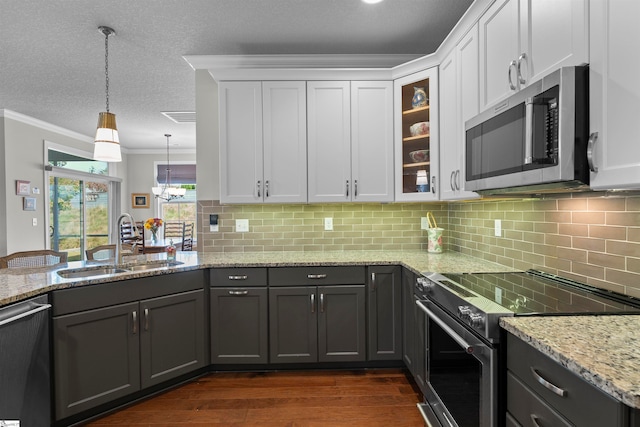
(461, 373)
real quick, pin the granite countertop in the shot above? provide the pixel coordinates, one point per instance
(19, 284)
(601, 349)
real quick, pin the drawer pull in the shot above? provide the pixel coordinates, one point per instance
(134, 321)
(313, 303)
(243, 292)
(316, 276)
(244, 277)
(534, 420)
(146, 319)
(557, 390)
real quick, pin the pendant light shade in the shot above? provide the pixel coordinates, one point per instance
(107, 142)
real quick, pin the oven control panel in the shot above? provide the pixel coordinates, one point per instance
(475, 320)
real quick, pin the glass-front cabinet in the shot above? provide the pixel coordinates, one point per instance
(416, 136)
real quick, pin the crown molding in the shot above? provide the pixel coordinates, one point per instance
(22, 118)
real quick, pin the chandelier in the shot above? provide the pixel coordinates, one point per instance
(107, 143)
(166, 191)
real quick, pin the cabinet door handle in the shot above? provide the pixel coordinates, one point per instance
(534, 420)
(243, 277)
(321, 303)
(522, 58)
(134, 320)
(451, 183)
(316, 276)
(546, 384)
(313, 303)
(512, 65)
(258, 185)
(433, 184)
(146, 319)
(347, 195)
(373, 282)
(593, 138)
(266, 188)
(457, 179)
(355, 188)
(528, 131)
(242, 292)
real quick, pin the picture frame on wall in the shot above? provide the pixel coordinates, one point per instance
(139, 200)
(28, 203)
(23, 188)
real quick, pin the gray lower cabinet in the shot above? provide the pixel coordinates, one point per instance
(542, 392)
(239, 325)
(384, 286)
(317, 324)
(239, 316)
(117, 338)
(413, 330)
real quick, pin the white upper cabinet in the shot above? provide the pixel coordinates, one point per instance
(350, 141)
(459, 92)
(523, 40)
(263, 142)
(241, 170)
(372, 141)
(614, 90)
(416, 127)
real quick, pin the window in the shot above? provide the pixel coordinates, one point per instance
(183, 175)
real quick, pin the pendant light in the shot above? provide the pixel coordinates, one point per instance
(107, 143)
(167, 192)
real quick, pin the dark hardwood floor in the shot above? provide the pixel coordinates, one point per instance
(379, 397)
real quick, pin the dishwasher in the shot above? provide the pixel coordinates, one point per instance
(25, 387)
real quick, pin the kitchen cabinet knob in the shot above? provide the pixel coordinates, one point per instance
(321, 303)
(512, 65)
(316, 276)
(243, 277)
(451, 183)
(146, 319)
(242, 292)
(457, 179)
(546, 384)
(373, 282)
(134, 320)
(259, 184)
(313, 303)
(593, 138)
(534, 420)
(347, 195)
(433, 184)
(266, 188)
(355, 188)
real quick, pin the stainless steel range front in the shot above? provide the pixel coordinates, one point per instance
(462, 335)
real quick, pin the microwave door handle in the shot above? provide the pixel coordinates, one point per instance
(528, 132)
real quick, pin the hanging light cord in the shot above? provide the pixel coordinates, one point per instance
(106, 65)
(168, 182)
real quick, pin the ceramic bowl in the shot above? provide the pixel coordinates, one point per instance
(420, 128)
(419, 156)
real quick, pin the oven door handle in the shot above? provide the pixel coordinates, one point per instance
(468, 348)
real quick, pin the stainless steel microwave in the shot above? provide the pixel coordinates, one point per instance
(534, 141)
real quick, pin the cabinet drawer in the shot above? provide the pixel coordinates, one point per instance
(528, 409)
(314, 275)
(238, 277)
(582, 403)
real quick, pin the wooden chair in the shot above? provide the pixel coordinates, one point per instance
(27, 259)
(104, 252)
(173, 229)
(187, 236)
(129, 236)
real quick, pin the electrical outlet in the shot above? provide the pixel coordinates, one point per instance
(497, 231)
(34, 222)
(424, 223)
(328, 223)
(213, 223)
(498, 295)
(242, 225)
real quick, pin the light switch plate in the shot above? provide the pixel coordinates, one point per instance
(34, 222)
(328, 224)
(498, 228)
(242, 225)
(424, 223)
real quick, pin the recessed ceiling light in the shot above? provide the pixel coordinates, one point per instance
(371, 1)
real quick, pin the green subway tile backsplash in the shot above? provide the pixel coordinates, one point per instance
(589, 237)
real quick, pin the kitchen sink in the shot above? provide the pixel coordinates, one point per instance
(78, 273)
(101, 270)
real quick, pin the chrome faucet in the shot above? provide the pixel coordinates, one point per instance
(119, 256)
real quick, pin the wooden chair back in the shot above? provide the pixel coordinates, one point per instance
(173, 229)
(27, 259)
(128, 234)
(187, 236)
(104, 252)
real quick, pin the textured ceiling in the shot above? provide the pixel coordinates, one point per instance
(52, 55)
